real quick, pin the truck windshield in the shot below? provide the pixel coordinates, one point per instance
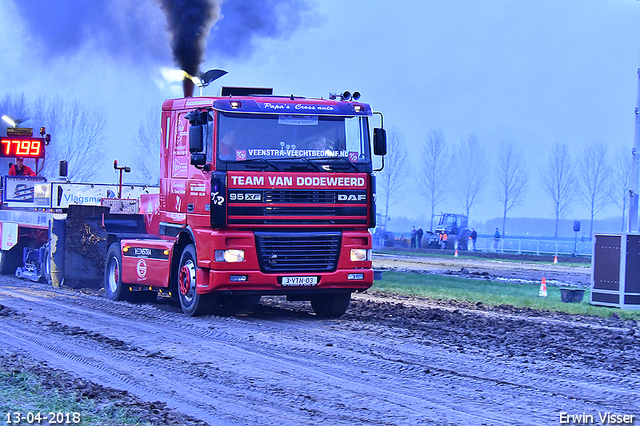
(272, 137)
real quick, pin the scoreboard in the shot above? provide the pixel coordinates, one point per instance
(22, 146)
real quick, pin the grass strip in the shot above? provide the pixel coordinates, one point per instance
(23, 392)
(493, 293)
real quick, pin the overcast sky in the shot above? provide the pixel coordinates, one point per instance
(535, 72)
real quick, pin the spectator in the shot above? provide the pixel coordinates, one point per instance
(413, 237)
(443, 240)
(474, 237)
(19, 169)
(496, 239)
(419, 234)
(378, 237)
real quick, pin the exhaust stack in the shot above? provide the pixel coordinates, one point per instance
(187, 87)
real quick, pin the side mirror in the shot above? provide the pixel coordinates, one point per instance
(379, 141)
(195, 138)
(198, 160)
(198, 117)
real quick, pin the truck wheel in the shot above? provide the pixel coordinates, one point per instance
(192, 303)
(113, 286)
(330, 305)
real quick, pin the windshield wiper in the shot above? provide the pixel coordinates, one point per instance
(262, 166)
(305, 159)
(346, 160)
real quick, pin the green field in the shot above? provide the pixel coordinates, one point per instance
(492, 293)
(24, 392)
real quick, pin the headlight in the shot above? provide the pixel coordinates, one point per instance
(358, 255)
(230, 256)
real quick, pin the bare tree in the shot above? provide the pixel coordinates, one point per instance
(147, 148)
(559, 181)
(471, 172)
(594, 178)
(434, 171)
(15, 106)
(621, 181)
(78, 136)
(392, 179)
(512, 178)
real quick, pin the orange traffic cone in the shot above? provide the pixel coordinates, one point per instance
(456, 253)
(543, 288)
(555, 259)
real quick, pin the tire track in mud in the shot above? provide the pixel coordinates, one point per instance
(402, 368)
(281, 393)
(288, 367)
(362, 401)
(387, 358)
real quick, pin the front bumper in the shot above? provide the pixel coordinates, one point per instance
(215, 281)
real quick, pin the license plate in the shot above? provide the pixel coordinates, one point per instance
(299, 281)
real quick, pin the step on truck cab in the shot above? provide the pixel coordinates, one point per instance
(259, 195)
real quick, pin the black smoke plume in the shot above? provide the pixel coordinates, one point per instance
(133, 32)
(189, 22)
(243, 22)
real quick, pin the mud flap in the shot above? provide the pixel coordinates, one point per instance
(85, 246)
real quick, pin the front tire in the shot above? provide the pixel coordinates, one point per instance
(192, 303)
(331, 305)
(113, 286)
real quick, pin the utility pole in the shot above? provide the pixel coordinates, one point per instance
(635, 171)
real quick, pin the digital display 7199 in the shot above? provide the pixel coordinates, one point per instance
(16, 146)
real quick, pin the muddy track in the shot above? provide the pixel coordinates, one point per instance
(496, 269)
(388, 361)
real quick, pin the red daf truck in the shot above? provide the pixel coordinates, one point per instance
(259, 195)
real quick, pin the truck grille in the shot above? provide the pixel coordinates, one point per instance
(285, 196)
(297, 207)
(298, 251)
